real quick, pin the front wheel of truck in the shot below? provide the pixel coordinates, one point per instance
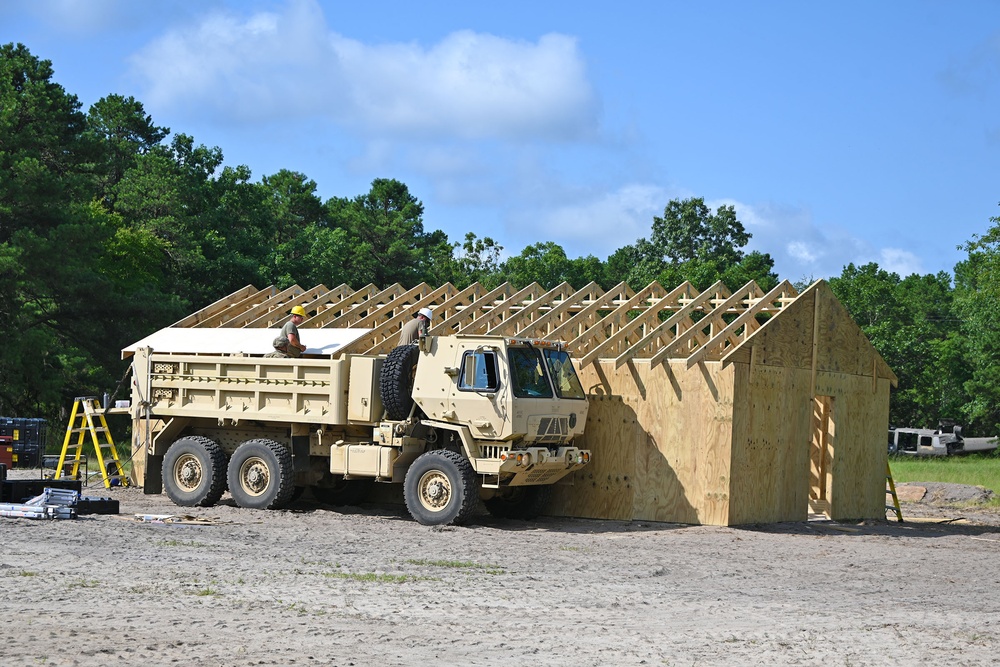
(194, 471)
(441, 488)
(261, 475)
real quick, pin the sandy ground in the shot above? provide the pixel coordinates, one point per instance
(368, 586)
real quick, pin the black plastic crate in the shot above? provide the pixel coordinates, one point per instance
(21, 490)
(97, 505)
(27, 437)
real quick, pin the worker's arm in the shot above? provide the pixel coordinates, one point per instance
(293, 339)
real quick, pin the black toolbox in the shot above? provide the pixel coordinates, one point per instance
(22, 490)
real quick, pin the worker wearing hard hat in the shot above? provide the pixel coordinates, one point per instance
(288, 343)
(417, 327)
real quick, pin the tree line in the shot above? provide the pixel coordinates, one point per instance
(112, 227)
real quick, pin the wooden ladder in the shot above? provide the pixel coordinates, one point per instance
(891, 489)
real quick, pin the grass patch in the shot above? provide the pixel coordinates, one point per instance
(180, 543)
(973, 469)
(373, 577)
(458, 564)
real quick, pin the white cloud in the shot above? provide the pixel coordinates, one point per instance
(272, 65)
(602, 224)
(802, 248)
(802, 252)
(900, 261)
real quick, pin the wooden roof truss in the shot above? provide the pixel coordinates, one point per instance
(622, 324)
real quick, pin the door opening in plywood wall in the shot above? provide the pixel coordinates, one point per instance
(821, 454)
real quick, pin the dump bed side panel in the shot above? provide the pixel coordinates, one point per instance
(246, 388)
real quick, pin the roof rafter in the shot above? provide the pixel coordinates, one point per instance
(651, 324)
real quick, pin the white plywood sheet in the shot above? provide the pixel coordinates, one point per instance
(187, 340)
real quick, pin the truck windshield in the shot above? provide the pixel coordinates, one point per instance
(528, 378)
(564, 376)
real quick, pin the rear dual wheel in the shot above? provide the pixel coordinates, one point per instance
(261, 475)
(194, 471)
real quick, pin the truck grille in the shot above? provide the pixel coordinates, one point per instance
(492, 451)
(553, 429)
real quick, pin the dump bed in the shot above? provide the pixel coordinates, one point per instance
(242, 388)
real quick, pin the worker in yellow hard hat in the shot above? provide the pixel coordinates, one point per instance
(288, 341)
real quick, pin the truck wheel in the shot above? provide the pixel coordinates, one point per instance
(441, 487)
(261, 475)
(338, 491)
(194, 471)
(519, 502)
(395, 382)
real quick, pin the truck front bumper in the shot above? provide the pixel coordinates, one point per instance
(534, 465)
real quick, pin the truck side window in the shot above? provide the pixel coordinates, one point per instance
(479, 372)
(527, 373)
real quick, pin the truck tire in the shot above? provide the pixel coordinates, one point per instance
(395, 382)
(261, 475)
(441, 488)
(194, 471)
(519, 502)
(338, 491)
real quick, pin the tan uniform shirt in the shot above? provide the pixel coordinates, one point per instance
(410, 333)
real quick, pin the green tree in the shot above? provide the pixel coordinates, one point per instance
(43, 152)
(691, 242)
(977, 293)
(910, 322)
(52, 292)
(388, 243)
(123, 131)
(547, 264)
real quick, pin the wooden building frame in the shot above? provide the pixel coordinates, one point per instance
(720, 407)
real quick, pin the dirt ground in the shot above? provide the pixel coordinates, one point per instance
(368, 586)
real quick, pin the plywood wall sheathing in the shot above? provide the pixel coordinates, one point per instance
(787, 340)
(661, 439)
(772, 416)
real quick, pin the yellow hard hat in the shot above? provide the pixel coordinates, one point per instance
(298, 310)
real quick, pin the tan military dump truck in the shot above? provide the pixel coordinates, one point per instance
(454, 419)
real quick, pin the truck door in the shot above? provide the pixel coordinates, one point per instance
(476, 396)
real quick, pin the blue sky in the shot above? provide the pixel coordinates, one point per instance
(841, 131)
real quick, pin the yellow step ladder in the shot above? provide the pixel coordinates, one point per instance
(87, 417)
(891, 489)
